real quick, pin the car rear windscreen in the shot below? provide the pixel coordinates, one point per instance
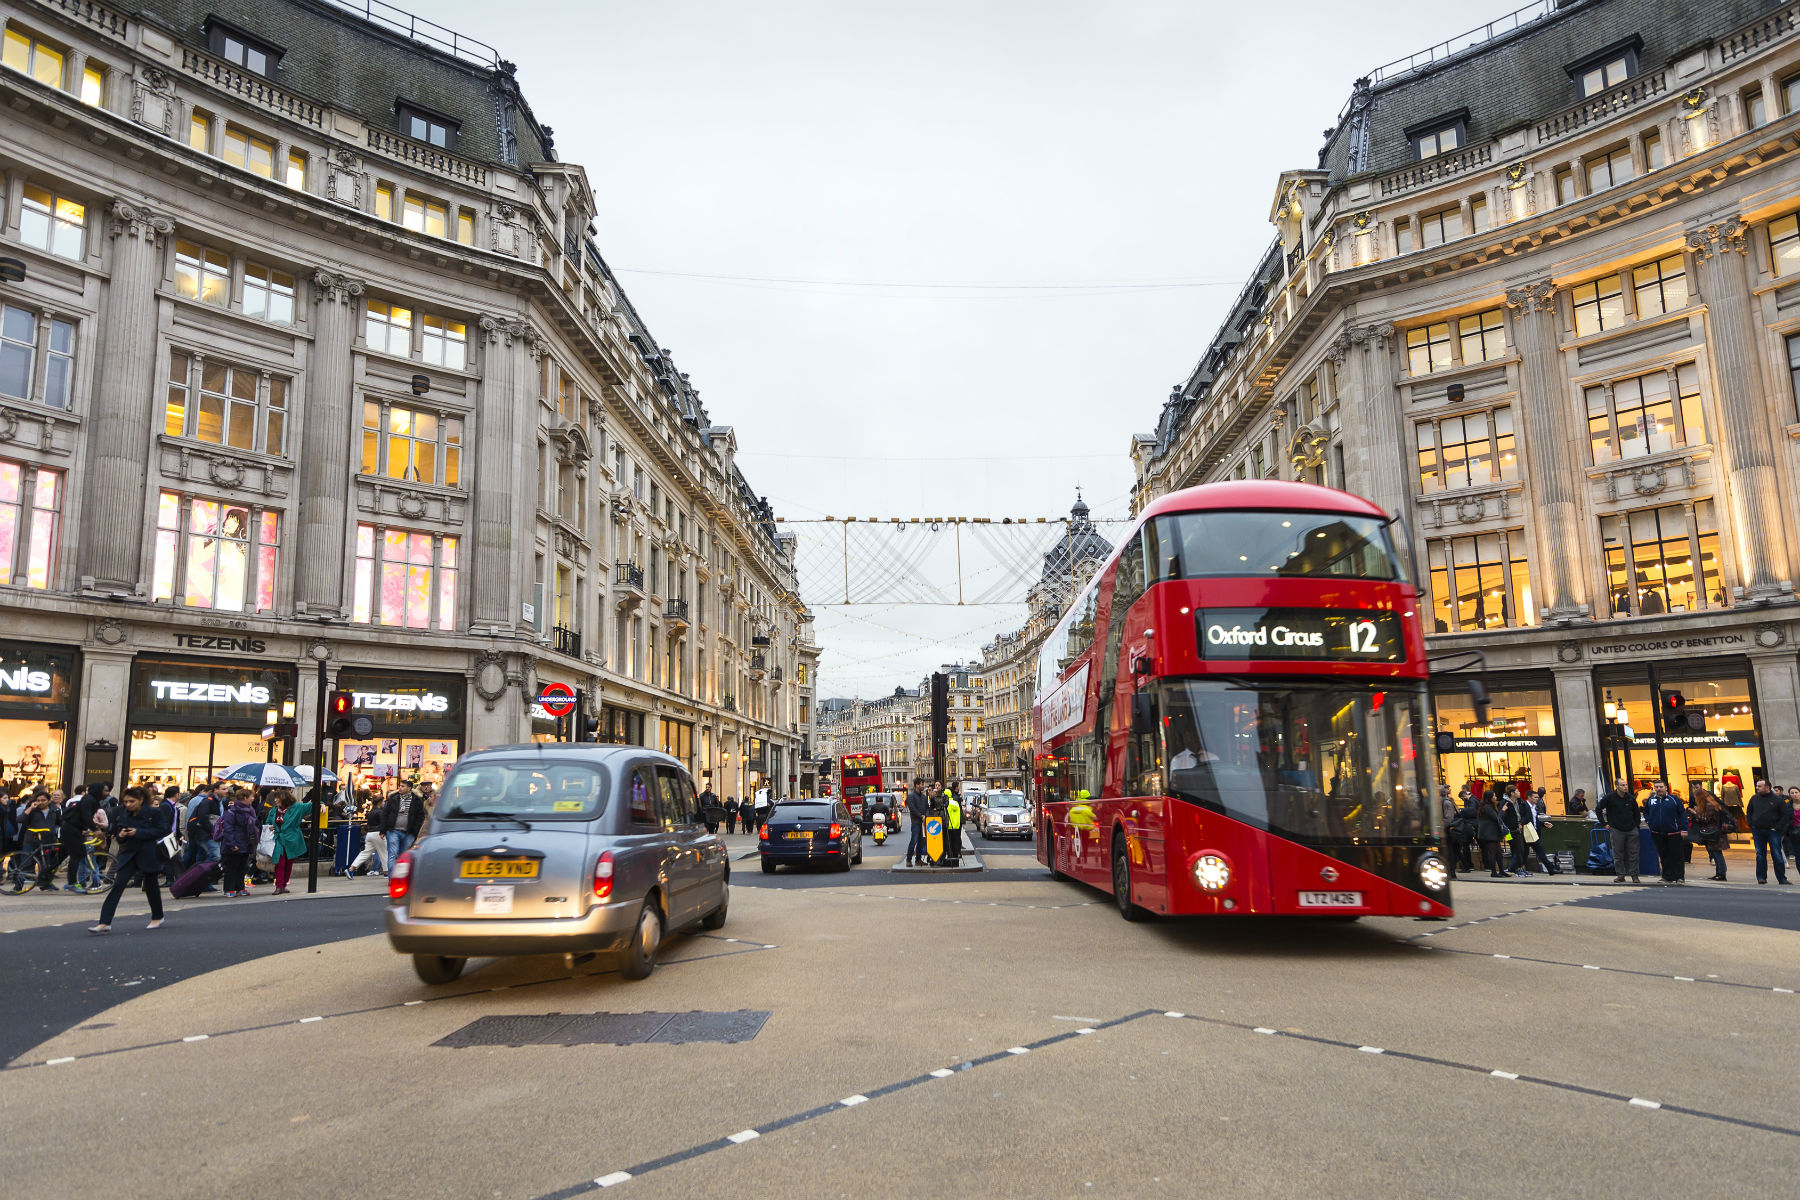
(527, 791)
(803, 812)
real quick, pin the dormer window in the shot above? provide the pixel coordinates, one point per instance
(241, 50)
(428, 127)
(1440, 135)
(1606, 68)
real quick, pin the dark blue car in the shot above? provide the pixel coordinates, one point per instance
(811, 831)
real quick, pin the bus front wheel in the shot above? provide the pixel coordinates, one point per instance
(1121, 876)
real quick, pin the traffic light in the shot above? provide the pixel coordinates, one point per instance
(342, 722)
(586, 727)
(1675, 718)
(940, 707)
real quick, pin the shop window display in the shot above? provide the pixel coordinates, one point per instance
(1518, 745)
(1725, 757)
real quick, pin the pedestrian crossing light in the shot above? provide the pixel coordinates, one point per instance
(342, 721)
(1678, 717)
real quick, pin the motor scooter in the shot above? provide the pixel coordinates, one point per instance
(879, 828)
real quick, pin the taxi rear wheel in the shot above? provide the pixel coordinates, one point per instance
(639, 958)
(436, 969)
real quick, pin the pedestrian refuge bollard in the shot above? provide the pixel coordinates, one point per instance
(934, 838)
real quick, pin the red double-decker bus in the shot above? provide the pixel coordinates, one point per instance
(859, 774)
(1232, 715)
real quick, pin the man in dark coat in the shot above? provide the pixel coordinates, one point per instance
(917, 806)
(1619, 813)
(142, 824)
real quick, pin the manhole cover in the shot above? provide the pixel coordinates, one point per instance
(618, 1029)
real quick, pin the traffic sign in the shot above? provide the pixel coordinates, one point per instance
(557, 699)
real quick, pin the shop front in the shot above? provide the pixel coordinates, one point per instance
(1640, 744)
(418, 727)
(544, 727)
(1518, 744)
(191, 720)
(676, 738)
(620, 726)
(37, 708)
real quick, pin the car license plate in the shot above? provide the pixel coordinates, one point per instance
(1331, 899)
(493, 899)
(801, 834)
(500, 868)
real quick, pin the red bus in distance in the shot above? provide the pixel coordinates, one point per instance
(859, 774)
(1232, 716)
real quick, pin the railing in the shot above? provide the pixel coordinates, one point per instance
(758, 662)
(761, 639)
(1772, 28)
(776, 675)
(567, 641)
(1432, 55)
(728, 702)
(676, 612)
(429, 33)
(629, 575)
(1295, 257)
(98, 15)
(251, 87)
(426, 157)
(1606, 105)
(1445, 166)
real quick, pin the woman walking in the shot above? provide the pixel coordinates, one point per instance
(1489, 830)
(236, 831)
(141, 825)
(1708, 828)
(289, 819)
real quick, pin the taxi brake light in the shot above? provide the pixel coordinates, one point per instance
(603, 876)
(400, 877)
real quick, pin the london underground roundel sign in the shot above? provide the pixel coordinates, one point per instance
(557, 699)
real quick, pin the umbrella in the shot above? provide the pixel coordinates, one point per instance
(264, 774)
(304, 774)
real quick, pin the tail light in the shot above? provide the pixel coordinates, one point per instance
(400, 877)
(603, 876)
(763, 833)
(837, 831)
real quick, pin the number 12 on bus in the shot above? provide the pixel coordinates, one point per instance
(1232, 715)
(861, 774)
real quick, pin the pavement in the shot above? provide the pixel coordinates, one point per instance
(996, 1035)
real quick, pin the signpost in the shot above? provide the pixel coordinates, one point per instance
(558, 699)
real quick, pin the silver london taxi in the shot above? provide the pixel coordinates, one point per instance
(557, 848)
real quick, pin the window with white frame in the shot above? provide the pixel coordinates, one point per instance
(422, 215)
(33, 347)
(1599, 305)
(268, 294)
(404, 578)
(242, 51)
(1605, 70)
(443, 342)
(387, 328)
(242, 148)
(1481, 581)
(29, 54)
(1467, 450)
(400, 442)
(1609, 169)
(206, 274)
(427, 127)
(1445, 225)
(1660, 287)
(1646, 414)
(53, 223)
(1663, 559)
(30, 523)
(215, 554)
(202, 274)
(224, 403)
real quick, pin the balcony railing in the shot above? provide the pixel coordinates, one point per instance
(728, 703)
(567, 641)
(426, 157)
(758, 666)
(1771, 28)
(1436, 169)
(675, 612)
(250, 86)
(629, 575)
(1605, 106)
(775, 674)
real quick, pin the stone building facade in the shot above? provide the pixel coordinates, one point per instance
(314, 360)
(1541, 298)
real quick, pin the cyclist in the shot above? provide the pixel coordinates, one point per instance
(38, 830)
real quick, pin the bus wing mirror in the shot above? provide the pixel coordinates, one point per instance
(1143, 713)
(1446, 741)
(1479, 697)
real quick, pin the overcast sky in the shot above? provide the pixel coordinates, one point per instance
(908, 144)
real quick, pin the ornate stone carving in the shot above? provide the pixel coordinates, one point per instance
(344, 177)
(508, 330)
(1649, 480)
(153, 100)
(138, 220)
(1339, 349)
(1378, 336)
(335, 287)
(1470, 509)
(226, 472)
(319, 650)
(1532, 297)
(1717, 238)
(410, 505)
(1569, 652)
(1770, 636)
(9, 426)
(490, 677)
(109, 631)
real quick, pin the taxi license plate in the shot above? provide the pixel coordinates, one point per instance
(1331, 899)
(500, 868)
(802, 835)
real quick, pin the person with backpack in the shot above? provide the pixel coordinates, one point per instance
(1770, 816)
(1490, 830)
(203, 812)
(236, 833)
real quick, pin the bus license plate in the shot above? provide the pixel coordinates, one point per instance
(500, 868)
(803, 836)
(1331, 899)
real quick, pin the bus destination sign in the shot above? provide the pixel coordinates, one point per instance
(1324, 634)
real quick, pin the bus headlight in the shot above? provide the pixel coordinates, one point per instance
(1212, 873)
(1433, 874)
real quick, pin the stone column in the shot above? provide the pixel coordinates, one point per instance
(1579, 728)
(1374, 439)
(1740, 388)
(1550, 452)
(324, 543)
(124, 424)
(502, 484)
(1777, 675)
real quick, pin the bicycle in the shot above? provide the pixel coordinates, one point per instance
(22, 869)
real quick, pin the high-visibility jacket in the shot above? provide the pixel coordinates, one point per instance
(953, 814)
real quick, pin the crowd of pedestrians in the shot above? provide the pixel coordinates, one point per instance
(1507, 824)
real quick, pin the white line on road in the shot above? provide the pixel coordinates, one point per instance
(57, 1062)
(942, 1073)
(1783, 991)
(1264, 1029)
(1087, 1031)
(1083, 1020)
(1642, 1103)
(1176, 1015)
(1017, 1050)
(853, 1101)
(748, 1135)
(198, 1037)
(1371, 1049)
(616, 1177)
(1502, 956)
(310, 1020)
(1589, 967)
(1503, 1074)
(410, 1003)
(1684, 979)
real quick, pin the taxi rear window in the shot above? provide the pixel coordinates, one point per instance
(528, 791)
